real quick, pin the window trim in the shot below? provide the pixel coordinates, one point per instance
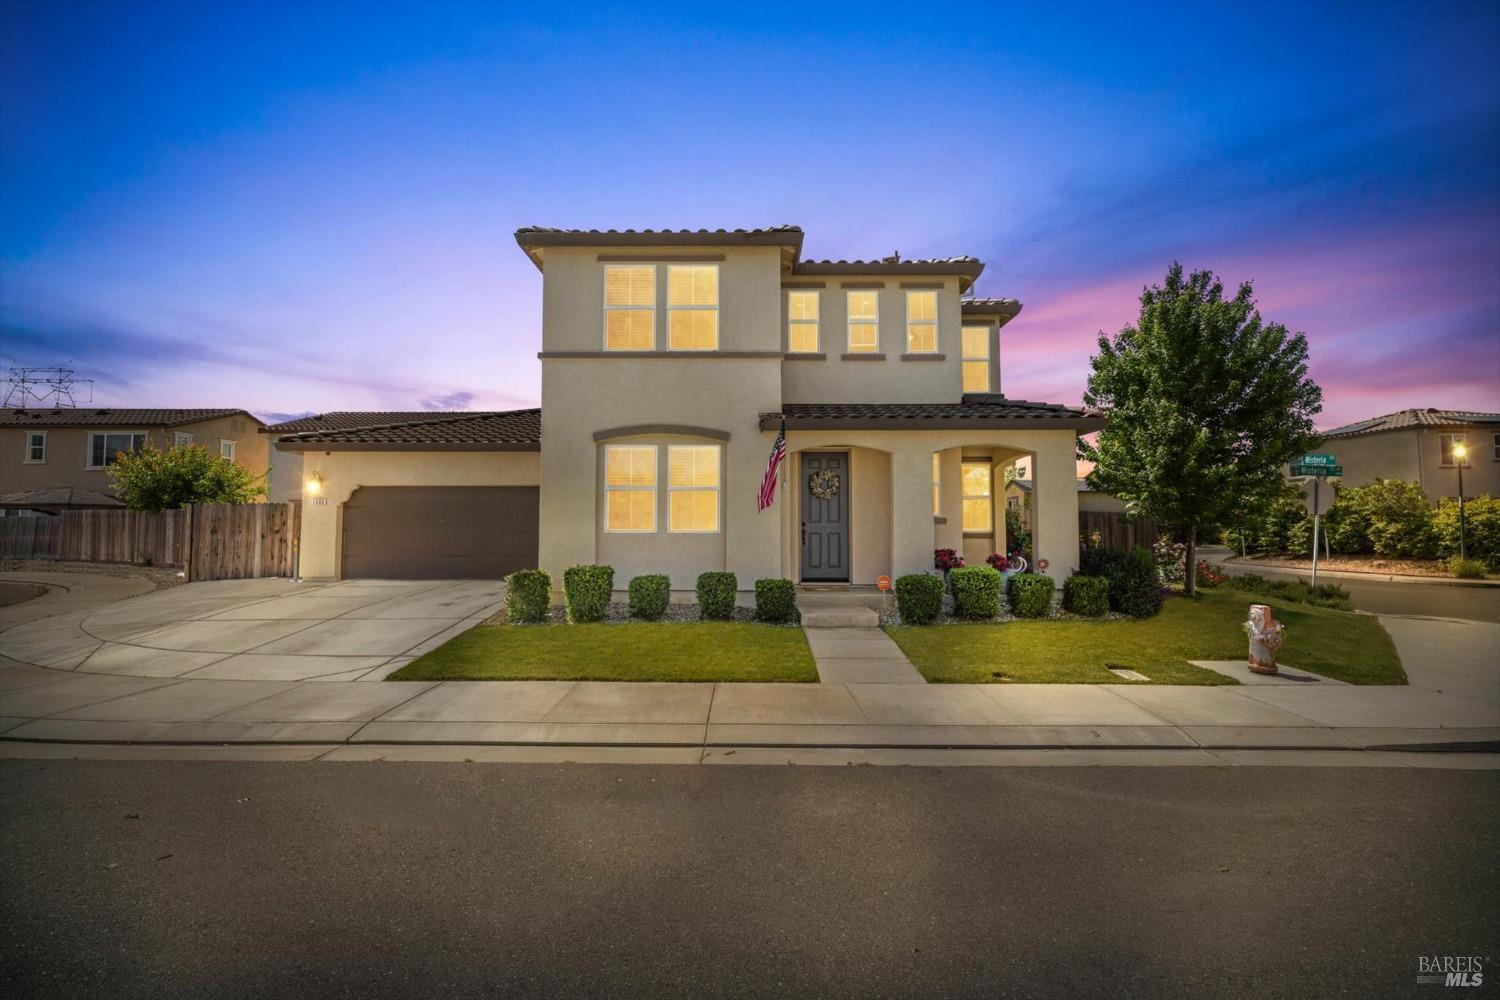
(716, 490)
(849, 294)
(26, 458)
(965, 358)
(88, 455)
(180, 438)
(652, 489)
(1454, 438)
(233, 448)
(816, 322)
(718, 275)
(1495, 442)
(965, 496)
(604, 293)
(936, 344)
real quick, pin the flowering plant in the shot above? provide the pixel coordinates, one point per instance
(946, 559)
(998, 561)
(1209, 576)
(1171, 558)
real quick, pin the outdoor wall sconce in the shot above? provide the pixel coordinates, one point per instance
(314, 484)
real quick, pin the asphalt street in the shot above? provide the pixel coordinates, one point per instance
(406, 880)
(1480, 604)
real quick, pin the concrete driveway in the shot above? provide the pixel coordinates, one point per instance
(261, 630)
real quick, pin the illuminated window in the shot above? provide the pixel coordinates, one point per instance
(978, 513)
(976, 359)
(693, 307)
(802, 322)
(937, 480)
(864, 322)
(629, 307)
(630, 487)
(693, 488)
(1446, 442)
(921, 322)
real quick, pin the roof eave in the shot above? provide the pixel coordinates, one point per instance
(295, 444)
(1082, 424)
(533, 241)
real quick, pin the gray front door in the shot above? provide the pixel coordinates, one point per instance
(825, 518)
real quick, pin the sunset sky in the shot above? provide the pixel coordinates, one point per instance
(307, 207)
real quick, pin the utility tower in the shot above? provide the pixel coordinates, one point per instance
(46, 388)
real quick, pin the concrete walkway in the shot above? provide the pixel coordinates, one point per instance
(150, 669)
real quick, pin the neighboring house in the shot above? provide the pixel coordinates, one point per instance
(1416, 446)
(58, 459)
(670, 359)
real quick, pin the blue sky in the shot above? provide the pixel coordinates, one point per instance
(310, 207)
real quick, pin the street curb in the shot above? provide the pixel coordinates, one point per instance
(1339, 574)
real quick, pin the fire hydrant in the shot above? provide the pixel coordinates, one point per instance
(1265, 639)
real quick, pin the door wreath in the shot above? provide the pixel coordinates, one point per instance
(823, 484)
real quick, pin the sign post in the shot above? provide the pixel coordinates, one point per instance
(1317, 467)
(884, 583)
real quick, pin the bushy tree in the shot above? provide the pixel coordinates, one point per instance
(1205, 402)
(152, 479)
(1481, 528)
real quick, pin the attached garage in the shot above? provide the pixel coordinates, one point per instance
(439, 532)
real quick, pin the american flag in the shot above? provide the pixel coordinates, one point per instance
(767, 495)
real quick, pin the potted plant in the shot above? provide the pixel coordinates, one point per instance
(947, 560)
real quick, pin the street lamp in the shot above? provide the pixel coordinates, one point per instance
(1460, 452)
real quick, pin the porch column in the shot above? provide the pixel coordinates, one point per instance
(911, 509)
(1054, 506)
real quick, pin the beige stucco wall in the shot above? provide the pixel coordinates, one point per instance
(67, 452)
(285, 480)
(1089, 500)
(892, 380)
(1414, 455)
(343, 472)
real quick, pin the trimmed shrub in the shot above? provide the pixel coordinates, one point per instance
(976, 592)
(649, 596)
(776, 601)
(586, 590)
(1466, 569)
(528, 595)
(919, 598)
(1135, 589)
(1481, 528)
(1324, 595)
(1387, 517)
(716, 595)
(1030, 595)
(1086, 595)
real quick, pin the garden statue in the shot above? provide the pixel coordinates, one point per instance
(1265, 639)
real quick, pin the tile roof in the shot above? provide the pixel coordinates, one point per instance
(93, 416)
(990, 307)
(1403, 419)
(509, 430)
(58, 496)
(342, 420)
(974, 411)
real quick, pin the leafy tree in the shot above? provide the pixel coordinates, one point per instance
(1481, 528)
(1205, 403)
(152, 479)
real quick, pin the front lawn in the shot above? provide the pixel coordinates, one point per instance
(1337, 644)
(632, 651)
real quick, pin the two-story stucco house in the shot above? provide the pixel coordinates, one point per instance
(58, 459)
(1419, 446)
(670, 362)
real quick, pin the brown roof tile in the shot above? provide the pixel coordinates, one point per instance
(342, 420)
(58, 496)
(1403, 419)
(510, 430)
(97, 416)
(974, 411)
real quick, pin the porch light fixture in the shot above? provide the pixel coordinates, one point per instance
(314, 484)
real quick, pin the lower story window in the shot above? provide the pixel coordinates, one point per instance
(630, 488)
(693, 488)
(978, 512)
(103, 448)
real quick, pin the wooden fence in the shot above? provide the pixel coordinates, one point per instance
(209, 541)
(1116, 531)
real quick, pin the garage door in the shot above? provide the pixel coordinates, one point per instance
(439, 532)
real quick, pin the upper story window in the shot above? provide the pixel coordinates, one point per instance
(802, 322)
(693, 488)
(629, 307)
(864, 322)
(36, 447)
(181, 438)
(978, 507)
(693, 307)
(1446, 443)
(630, 487)
(226, 449)
(976, 359)
(921, 323)
(1496, 438)
(105, 446)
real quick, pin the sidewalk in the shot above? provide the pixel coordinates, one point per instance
(1454, 699)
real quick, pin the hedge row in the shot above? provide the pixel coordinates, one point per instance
(587, 590)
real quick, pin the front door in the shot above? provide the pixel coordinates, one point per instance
(825, 516)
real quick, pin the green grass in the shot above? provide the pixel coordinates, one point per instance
(1337, 644)
(634, 651)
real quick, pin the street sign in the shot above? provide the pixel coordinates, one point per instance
(1316, 458)
(1320, 471)
(1317, 501)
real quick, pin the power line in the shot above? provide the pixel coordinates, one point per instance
(46, 388)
